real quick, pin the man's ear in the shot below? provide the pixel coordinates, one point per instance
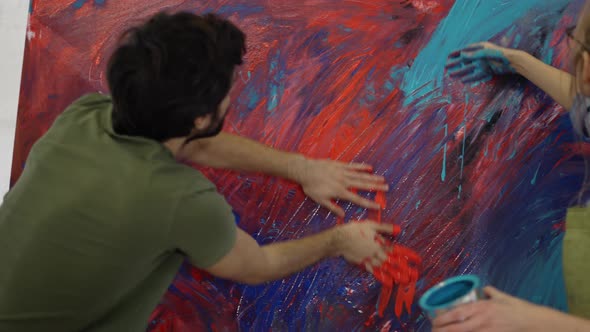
(203, 122)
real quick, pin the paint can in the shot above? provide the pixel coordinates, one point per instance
(450, 293)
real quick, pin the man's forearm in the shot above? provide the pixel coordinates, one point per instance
(228, 151)
(286, 258)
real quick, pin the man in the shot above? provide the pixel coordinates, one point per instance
(103, 215)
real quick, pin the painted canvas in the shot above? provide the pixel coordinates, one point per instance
(480, 176)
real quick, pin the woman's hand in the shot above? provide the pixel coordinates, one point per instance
(500, 313)
(479, 62)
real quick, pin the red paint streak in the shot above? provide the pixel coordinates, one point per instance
(399, 269)
(560, 226)
(384, 298)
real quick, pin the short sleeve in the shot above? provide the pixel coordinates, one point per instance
(203, 227)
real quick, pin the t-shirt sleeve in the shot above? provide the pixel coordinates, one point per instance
(203, 227)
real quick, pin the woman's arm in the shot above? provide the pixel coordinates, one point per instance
(555, 82)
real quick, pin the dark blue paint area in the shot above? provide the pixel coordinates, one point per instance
(240, 9)
(317, 43)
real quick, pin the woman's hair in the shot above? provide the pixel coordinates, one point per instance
(582, 38)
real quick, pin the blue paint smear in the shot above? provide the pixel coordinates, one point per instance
(276, 86)
(79, 3)
(242, 9)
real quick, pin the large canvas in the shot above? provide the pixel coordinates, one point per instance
(480, 176)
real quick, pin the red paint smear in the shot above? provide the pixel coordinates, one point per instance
(407, 288)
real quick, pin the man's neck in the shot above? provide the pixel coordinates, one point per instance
(175, 145)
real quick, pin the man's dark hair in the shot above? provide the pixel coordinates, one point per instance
(171, 70)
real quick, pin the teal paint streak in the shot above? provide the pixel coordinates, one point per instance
(534, 179)
(443, 174)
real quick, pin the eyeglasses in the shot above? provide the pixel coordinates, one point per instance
(570, 35)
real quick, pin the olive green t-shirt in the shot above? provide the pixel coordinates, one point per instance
(95, 229)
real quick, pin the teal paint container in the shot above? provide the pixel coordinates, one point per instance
(450, 293)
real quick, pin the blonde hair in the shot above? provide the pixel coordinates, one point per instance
(583, 28)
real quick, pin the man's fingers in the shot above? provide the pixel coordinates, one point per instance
(386, 228)
(376, 261)
(359, 167)
(413, 273)
(389, 275)
(407, 253)
(380, 255)
(337, 210)
(367, 186)
(399, 275)
(358, 200)
(393, 230)
(366, 177)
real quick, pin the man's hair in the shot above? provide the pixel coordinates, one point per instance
(171, 70)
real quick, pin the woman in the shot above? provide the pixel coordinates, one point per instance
(502, 312)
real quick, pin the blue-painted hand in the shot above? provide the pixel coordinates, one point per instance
(478, 64)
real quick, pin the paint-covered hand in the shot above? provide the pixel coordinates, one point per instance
(360, 243)
(400, 267)
(327, 180)
(478, 63)
(501, 313)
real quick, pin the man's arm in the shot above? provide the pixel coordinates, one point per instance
(249, 263)
(322, 180)
(228, 151)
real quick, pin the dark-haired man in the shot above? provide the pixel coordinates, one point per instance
(95, 229)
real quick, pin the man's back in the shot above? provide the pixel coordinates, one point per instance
(88, 235)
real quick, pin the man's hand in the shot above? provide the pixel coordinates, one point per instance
(326, 180)
(361, 243)
(322, 180)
